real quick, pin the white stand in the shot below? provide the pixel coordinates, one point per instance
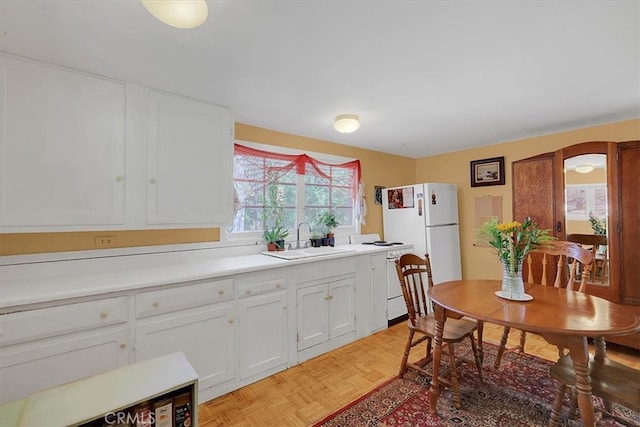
(91, 398)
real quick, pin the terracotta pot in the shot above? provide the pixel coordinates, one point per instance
(271, 247)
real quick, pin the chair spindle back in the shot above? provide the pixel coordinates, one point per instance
(568, 254)
(413, 271)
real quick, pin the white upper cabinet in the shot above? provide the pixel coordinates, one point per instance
(82, 152)
(190, 162)
(62, 148)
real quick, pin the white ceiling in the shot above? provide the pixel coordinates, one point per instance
(426, 77)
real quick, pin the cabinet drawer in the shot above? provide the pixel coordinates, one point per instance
(48, 322)
(250, 289)
(321, 270)
(182, 297)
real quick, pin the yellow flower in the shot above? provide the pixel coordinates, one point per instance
(508, 226)
(513, 240)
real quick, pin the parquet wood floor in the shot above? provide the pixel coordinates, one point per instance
(307, 392)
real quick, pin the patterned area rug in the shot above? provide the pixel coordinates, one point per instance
(520, 393)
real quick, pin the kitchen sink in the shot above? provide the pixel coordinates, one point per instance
(307, 252)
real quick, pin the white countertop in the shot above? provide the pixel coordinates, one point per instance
(29, 285)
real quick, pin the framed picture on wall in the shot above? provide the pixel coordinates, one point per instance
(378, 194)
(487, 172)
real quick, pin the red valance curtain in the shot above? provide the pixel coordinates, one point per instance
(251, 161)
(256, 168)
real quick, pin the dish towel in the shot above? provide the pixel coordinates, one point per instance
(361, 204)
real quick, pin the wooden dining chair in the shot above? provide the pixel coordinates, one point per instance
(594, 242)
(610, 380)
(566, 264)
(413, 271)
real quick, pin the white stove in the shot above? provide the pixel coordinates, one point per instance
(396, 306)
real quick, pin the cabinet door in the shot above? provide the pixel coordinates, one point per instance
(205, 336)
(535, 197)
(312, 315)
(190, 162)
(262, 333)
(341, 308)
(378, 291)
(629, 161)
(62, 144)
(38, 365)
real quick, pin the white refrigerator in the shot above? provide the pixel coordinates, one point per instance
(426, 215)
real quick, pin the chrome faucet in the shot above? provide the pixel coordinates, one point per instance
(298, 233)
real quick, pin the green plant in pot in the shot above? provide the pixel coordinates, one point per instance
(316, 239)
(274, 218)
(275, 237)
(328, 221)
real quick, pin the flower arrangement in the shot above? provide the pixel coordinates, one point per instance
(513, 240)
(598, 225)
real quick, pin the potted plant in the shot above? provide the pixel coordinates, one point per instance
(275, 238)
(328, 221)
(282, 234)
(274, 218)
(316, 240)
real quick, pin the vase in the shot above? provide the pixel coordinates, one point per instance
(512, 283)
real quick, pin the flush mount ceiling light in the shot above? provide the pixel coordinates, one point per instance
(347, 123)
(584, 168)
(185, 14)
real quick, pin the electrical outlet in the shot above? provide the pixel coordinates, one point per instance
(105, 241)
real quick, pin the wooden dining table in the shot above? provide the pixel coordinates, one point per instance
(563, 318)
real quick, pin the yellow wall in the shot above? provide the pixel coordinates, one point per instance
(479, 262)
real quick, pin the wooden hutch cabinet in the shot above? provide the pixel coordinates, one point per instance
(540, 189)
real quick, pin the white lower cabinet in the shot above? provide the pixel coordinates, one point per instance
(50, 346)
(325, 317)
(205, 336)
(262, 334)
(197, 319)
(30, 367)
(232, 330)
(312, 307)
(378, 286)
(341, 308)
